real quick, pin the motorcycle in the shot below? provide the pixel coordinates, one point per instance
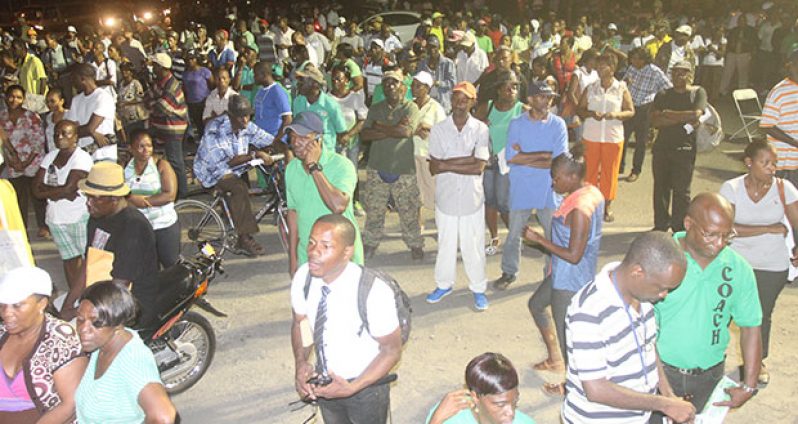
(183, 341)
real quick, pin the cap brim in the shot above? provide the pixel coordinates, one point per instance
(299, 129)
(11, 297)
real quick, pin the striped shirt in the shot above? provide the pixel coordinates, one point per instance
(148, 183)
(602, 345)
(781, 110)
(169, 112)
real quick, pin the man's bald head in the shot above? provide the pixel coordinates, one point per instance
(706, 204)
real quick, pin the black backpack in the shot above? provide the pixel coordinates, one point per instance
(367, 277)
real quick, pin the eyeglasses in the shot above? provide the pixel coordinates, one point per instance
(714, 236)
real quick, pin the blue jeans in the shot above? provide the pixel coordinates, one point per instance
(512, 246)
(497, 189)
(174, 154)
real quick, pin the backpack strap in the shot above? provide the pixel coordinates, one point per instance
(367, 277)
(306, 290)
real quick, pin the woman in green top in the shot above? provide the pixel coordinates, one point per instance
(496, 178)
(491, 396)
(121, 384)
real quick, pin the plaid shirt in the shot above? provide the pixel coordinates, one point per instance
(220, 144)
(645, 83)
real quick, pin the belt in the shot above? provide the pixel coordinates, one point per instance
(695, 371)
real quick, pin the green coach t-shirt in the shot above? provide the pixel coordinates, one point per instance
(393, 155)
(304, 198)
(693, 319)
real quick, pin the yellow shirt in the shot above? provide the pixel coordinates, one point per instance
(30, 74)
(438, 32)
(8, 201)
(654, 45)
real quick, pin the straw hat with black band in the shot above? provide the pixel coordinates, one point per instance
(105, 179)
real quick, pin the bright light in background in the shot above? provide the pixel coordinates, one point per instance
(109, 21)
(147, 16)
(166, 12)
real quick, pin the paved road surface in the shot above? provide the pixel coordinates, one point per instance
(251, 379)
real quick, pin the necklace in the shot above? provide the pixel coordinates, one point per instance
(762, 188)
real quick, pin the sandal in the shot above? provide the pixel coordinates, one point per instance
(764, 376)
(493, 247)
(549, 365)
(554, 389)
(609, 217)
(248, 246)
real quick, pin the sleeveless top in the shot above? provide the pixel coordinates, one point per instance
(57, 346)
(149, 184)
(604, 101)
(565, 275)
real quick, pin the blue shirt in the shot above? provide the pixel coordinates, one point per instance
(195, 84)
(220, 144)
(330, 113)
(271, 104)
(530, 188)
(223, 58)
(565, 275)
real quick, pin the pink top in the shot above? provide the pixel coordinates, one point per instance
(14, 395)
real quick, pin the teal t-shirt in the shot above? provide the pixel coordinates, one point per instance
(114, 397)
(379, 94)
(304, 198)
(330, 113)
(693, 319)
(467, 417)
(500, 123)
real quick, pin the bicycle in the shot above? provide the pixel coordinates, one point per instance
(200, 222)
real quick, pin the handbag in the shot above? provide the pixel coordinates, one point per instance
(789, 242)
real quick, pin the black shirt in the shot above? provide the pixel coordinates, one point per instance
(675, 136)
(130, 237)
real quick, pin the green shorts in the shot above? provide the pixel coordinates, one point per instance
(70, 238)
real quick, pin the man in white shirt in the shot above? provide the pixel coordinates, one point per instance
(282, 38)
(471, 61)
(613, 369)
(352, 364)
(317, 41)
(219, 97)
(94, 110)
(458, 152)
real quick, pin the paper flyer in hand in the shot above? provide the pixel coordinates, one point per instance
(716, 414)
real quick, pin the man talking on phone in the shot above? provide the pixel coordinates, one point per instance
(352, 359)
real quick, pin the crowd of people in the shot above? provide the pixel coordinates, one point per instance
(476, 117)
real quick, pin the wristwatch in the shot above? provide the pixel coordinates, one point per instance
(749, 389)
(315, 166)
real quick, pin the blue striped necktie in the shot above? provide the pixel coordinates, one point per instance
(318, 331)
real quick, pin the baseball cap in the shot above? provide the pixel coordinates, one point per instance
(424, 77)
(72, 29)
(394, 74)
(685, 29)
(305, 123)
(683, 64)
(437, 15)
(19, 283)
(466, 88)
(163, 60)
(468, 40)
(313, 73)
(612, 26)
(539, 87)
(427, 22)
(433, 41)
(456, 36)
(378, 42)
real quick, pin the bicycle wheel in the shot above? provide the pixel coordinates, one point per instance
(199, 223)
(282, 226)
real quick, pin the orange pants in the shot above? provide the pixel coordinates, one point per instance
(602, 164)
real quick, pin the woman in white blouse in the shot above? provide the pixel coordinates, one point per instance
(760, 201)
(603, 107)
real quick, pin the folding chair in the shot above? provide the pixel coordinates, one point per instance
(745, 100)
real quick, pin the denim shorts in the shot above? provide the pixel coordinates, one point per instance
(497, 189)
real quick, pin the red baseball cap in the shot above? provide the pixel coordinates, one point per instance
(466, 88)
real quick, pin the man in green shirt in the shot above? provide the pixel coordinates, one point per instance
(484, 41)
(312, 98)
(719, 286)
(389, 127)
(317, 183)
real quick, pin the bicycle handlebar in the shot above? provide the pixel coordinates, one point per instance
(257, 161)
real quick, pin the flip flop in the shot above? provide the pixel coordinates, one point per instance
(493, 246)
(554, 389)
(548, 365)
(609, 217)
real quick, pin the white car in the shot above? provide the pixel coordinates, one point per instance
(403, 24)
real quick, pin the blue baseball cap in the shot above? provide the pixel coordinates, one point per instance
(540, 87)
(305, 123)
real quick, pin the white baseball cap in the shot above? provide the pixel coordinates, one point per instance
(163, 60)
(685, 29)
(19, 283)
(612, 26)
(72, 29)
(424, 77)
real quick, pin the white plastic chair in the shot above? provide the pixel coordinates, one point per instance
(747, 98)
